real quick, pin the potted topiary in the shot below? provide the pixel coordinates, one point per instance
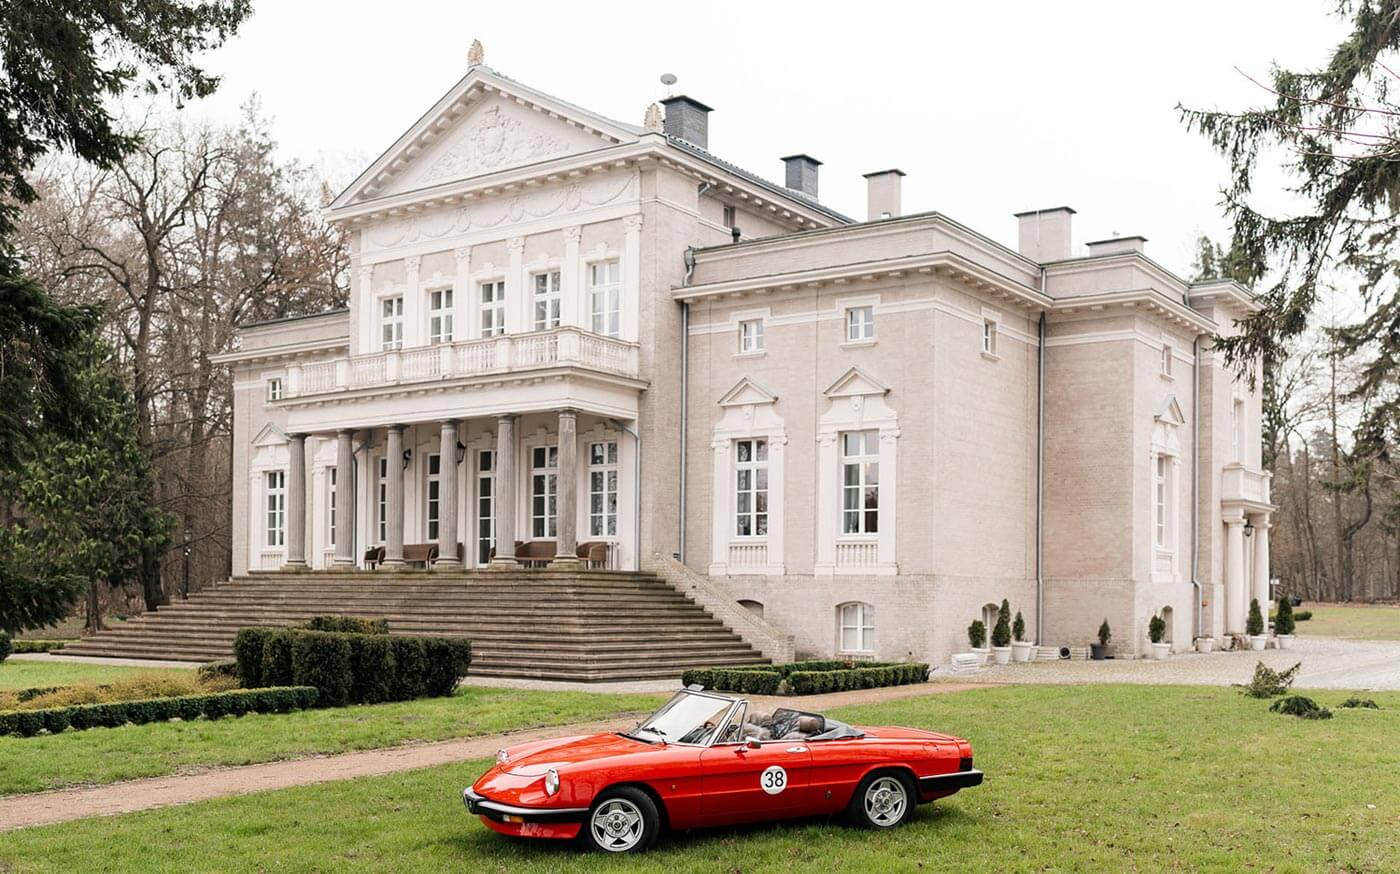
(1099, 651)
(1001, 634)
(977, 637)
(1254, 626)
(1284, 623)
(1020, 647)
(1156, 630)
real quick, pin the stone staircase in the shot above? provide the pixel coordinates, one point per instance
(533, 624)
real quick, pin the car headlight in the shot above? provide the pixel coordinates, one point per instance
(551, 782)
(502, 756)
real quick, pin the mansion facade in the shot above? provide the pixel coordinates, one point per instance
(580, 341)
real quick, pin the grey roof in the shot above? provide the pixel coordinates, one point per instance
(265, 322)
(792, 194)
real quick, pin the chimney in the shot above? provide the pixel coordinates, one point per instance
(802, 174)
(1045, 234)
(882, 194)
(687, 119)
(1116, 245)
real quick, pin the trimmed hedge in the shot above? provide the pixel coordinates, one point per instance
(807, 678)
(348, 668)
(216, 669)
(39, 645)
(27, 723)
(348, 624)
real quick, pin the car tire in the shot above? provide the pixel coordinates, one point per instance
(883, 800)
(622, 820)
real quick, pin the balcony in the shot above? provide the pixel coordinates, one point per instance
(507, 354)
(1242, 487)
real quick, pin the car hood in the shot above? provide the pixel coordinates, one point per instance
(532, 760)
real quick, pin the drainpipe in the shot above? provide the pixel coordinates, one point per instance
(685, 399)
(636, 489)
(1040, 479)
(1196, 481)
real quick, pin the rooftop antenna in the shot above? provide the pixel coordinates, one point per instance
(668, 79)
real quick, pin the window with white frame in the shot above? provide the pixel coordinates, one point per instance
(751, 487)
(605, 298)
(730, 217)
(276, 507)
(274, 389)
(602, 489)
(1161, 501)
(382, 511)
(391, 322)
(751, 335)
(432, 495)
(544, 491)
(989, 337)
(493, 308)
(548, 300)
(440, 316)
(860, 482)
(857, 622)
(485, 504)
(330, 506)
(860, 323)
(1167, 360)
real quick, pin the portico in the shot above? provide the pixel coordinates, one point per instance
(1247, 516)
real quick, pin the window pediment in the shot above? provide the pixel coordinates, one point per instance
(746, 393)
(856, 383)
(1170, 413)
(269, 436)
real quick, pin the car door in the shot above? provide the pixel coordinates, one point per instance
(743, 783)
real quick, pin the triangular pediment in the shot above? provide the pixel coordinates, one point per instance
(485, 124)
(270, 435)
(1171, 412)
(745, 393)
(856, 382)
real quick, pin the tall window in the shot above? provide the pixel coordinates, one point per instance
(1237, 429)
(860, 323)
(751, 335)
(989, 337)
(276, 507)
(382, 514)
(493, 308)
(485, 504)
(330, 505)
(602, 489)
(1160, 500)
(751, 488)
(274, 389)
(1166, 359)
(433, 495)
(547, 300)
(440, 316)
(391, 322)
(729, 217)
(860, 482)
(857, 627)
(544, 491)
(605, 297)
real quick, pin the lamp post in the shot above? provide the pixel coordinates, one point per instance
(185, 586)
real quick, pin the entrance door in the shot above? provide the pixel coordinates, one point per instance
(743, 784)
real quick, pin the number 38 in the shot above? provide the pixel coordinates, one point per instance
(773, 780)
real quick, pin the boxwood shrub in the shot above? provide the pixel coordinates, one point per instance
(351, 668)
(214, 705)
(39, 645)
(351, 624)
(807, 678)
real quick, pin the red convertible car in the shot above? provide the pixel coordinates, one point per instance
(706, 759)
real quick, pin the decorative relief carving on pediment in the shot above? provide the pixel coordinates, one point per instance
(490, 140)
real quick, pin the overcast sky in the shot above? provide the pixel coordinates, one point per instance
(990, 108)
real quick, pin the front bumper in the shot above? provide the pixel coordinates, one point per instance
(948, 783)
(495, 810)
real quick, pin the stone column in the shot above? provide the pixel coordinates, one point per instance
(448, 559)
(296, 503)
(344, 498)
(505, 492)
(393, 452)
(566, 524)
(1235, 604)
(1261, 566)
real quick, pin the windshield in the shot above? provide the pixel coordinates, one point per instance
(687, 718)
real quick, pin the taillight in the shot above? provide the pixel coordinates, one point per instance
(965, 763)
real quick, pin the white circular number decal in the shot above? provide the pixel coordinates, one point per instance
(773, 780)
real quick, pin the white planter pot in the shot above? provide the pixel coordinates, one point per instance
(1002, 654)
(1257, 642)
(1285, 641)
(1205, 644)
(1161, 650)
(984, 654)
(1021, 650)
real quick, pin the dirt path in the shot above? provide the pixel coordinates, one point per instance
(43, 808)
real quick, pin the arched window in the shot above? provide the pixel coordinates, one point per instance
(989, 618)
(754, 607)
(1167, 618)
(856, 632)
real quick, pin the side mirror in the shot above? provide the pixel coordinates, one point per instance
(752, 743)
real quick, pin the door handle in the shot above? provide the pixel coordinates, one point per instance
(797, 749)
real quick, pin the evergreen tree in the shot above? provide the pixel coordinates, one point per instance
(977, 633)
(1001, 632)
(1254, 625)
(1283, 622)
(1018, 627)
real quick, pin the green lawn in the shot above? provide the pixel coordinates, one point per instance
(104, 755)
(1092, 778)
(24, 674)
(1360, 622)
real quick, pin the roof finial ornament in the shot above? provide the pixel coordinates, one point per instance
(652, 122)
(476, 55)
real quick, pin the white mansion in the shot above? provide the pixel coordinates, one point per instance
(575, 338)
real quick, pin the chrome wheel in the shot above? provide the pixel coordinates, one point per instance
(617, 825)
(886, 800)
